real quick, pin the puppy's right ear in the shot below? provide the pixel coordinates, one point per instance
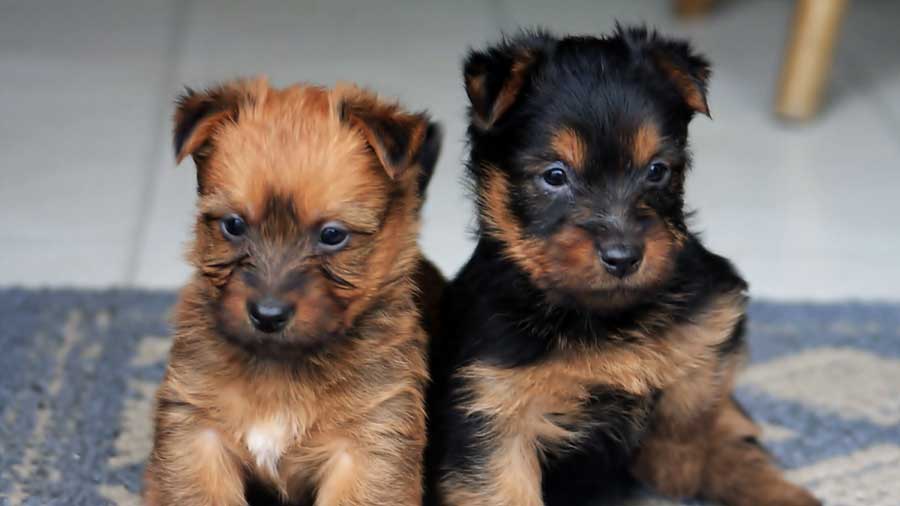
(496, 77)
(429, 153)
(199, 113)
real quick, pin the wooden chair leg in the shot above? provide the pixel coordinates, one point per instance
(691, 8)
(808, 57)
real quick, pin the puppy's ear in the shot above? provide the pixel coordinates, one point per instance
(687, 70)
(428, 155)
(495, 77)
(199, 113)
(399, 139)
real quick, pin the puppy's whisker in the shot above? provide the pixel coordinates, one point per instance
(336, 279)
(230, 263)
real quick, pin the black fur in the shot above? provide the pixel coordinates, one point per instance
(493, 312)
(428, 155)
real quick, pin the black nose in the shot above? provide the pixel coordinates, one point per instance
(621, 260)
(269, 314)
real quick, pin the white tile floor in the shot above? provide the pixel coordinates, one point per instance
(90, 195)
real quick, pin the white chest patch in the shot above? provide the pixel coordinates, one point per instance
(267, 442)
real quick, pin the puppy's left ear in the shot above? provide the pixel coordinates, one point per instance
(687, 70)
(400, 140)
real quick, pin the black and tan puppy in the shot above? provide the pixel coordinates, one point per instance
(591, 333)
(298, 368)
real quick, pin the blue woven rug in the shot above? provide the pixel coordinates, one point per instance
(78, 372)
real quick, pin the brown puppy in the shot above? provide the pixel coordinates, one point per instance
(298, 366)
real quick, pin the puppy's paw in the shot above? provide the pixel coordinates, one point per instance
(672, 469)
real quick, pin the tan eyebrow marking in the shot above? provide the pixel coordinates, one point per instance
(645, 143)
(571, 147)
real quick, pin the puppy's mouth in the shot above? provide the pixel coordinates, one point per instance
(639, 282)
(597, 289)
(608, 286)
(294, 338)
(608, 296)
(288, 343)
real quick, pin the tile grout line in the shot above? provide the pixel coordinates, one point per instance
(153, 159)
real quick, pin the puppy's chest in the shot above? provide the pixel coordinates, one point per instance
(555, 407)
(596, 393)
(268, 440)
(288, 456)
(272, 436)
(579, 408)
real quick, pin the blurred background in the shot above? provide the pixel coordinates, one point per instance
(91, 196)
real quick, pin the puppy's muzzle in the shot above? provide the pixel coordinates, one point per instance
(621, 259)
(269, 314)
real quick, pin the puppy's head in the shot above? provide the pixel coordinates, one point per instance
(579, 153)
(308, 206)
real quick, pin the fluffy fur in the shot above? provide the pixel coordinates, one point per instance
(328, 409)
(591, 338)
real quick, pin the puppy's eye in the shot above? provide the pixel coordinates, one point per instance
(658, 173)
(555, 175)
(333, 237)
(233, 227)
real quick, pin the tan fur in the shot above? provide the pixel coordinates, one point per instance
(568, 260)
(529, 407)
(366, 110)
(343, 403)
(688, 86)
(219, 105)
(701, 444)
(645, 144)
(349, 423)
(569, 146)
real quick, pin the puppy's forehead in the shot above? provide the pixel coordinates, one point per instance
(592, 108)
(598, 80)
(293, 143)
(589, 142)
